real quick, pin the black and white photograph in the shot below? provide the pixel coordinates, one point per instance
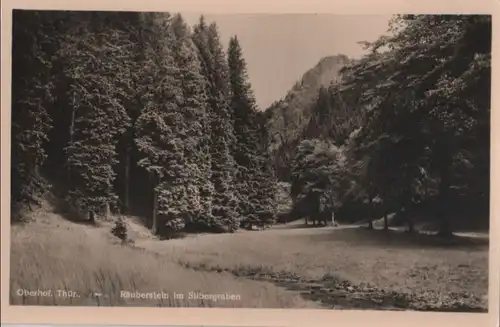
(250, 160)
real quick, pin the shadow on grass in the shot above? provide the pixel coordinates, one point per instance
(298, 226)
(397, 239)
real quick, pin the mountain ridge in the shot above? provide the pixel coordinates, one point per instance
(289, 116)
(322, 74)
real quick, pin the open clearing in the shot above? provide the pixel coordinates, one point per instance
(284, 267)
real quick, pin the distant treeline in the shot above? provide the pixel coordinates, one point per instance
(137, 113)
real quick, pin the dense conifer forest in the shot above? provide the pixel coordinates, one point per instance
(140, 114)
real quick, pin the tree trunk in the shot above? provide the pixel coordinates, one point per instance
(370, 217)
(411, 225)
(154, 227)
(446, 147)
(71, 133)
(317, 210)
(126, 200)
(107, 210)
(386, 222)
(154, 183)
(445, 228)
(91, 217)
(406, 211)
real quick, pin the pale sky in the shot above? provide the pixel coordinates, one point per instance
(280, 48)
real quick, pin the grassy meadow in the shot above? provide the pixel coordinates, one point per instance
(283, 267)
(51, 253)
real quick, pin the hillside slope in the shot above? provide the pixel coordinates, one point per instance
(290, 116)
(51, 253)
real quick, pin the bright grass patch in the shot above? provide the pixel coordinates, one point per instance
(65, 256)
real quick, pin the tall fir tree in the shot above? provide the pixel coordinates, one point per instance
(254, 177)
(98, 115)
(244, 149)
(129, 182)
(267, 196)
(195, 111)
(32, 92)
(161, 130)
(215, 71)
